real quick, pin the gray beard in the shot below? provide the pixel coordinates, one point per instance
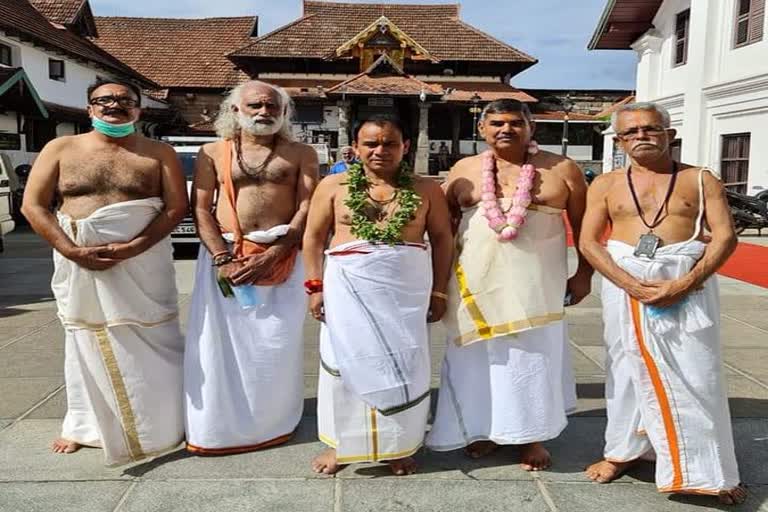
(254, 128)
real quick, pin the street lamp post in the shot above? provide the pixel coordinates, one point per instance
(475, 109)
(567, 107)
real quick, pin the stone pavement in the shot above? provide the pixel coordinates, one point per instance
(32, 403)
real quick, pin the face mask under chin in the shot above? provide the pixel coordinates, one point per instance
(115, 131)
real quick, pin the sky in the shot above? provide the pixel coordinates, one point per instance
(554, 31)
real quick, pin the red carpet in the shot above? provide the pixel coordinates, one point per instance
(749, 263)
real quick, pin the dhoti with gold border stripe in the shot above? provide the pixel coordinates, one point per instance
(124, 348)
(373, 389)
(665, 387)
(507, 375)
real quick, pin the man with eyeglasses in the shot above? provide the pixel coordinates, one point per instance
(118, 195)
(665, 390)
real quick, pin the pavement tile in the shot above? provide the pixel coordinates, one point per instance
(290, 460)
(751, 439)
(402, 495)
(5, 423)
(20, 393)
(53, 408)
(26, 456)
(737, 334)
(590, 393)
(750, 360)
(583, 365)
(45, 338)
(747, 399)
(15, 361)
(61, 496)
(504, 464)
(232, 496)
(575, 497)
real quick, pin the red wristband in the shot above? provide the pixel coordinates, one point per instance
(312, 286)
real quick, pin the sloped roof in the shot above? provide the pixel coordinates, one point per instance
(20, 18)
(385, 77)
(622, 22)
(59, 11)
(487, 91)
(19, 98)
(608, 112)
(178, 52)
(325, 26)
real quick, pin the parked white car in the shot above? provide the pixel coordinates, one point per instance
(6, 205)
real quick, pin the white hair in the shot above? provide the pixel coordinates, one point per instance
(227, 124)
(643, 106)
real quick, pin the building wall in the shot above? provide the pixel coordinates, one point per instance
(720, 90)
(70, 93)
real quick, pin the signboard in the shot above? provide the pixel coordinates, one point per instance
(381, 102)
(10, 141)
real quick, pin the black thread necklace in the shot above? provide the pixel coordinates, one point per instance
(657, 219)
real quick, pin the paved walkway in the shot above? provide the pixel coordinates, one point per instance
(32, 403)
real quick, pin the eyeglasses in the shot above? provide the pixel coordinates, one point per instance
(633, 133)
(123, 101)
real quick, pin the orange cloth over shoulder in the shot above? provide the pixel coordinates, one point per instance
(229, 223)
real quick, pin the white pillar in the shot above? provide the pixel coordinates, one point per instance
(422, 142)
(344, 122)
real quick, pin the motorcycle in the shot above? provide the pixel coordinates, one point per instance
(749, 212)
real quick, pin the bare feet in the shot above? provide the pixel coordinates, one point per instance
(402, 467)
(480, 449)
(534, 457)
(325, 463)
(735, 496)
(61, 445)
(606, 471)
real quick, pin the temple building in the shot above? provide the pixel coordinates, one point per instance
(344, 62)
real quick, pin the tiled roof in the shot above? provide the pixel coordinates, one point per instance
(388, 85)
(556, 115)
(487, 91)
(20, 18)
(178, 52)
(303, 88)
(59, 11)
(327, 25)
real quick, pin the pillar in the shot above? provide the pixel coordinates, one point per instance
(422, 142)
(345, 115)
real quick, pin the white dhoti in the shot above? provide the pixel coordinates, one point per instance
(373, 390)
(665, 388)
(123, 349)
(514, 389)
(507, 374)
(243, 373)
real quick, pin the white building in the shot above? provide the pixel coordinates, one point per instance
(46, 65)
(707, 62)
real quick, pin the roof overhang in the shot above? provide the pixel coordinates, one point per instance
(16, 89)
(622, 22)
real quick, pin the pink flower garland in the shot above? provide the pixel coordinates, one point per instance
(506, 226)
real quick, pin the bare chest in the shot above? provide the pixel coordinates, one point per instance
(104, 173)
(261, 168)
(684, 202)
(379, 208)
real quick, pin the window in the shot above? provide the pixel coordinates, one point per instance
(56, 69)
(39, 132)
(734, 163)
(6, 58)
(750, 18)
(681, 37)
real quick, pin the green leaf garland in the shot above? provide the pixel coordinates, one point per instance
(407, 204)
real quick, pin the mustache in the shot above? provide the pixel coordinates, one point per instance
(113, 111)
(645, 143)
